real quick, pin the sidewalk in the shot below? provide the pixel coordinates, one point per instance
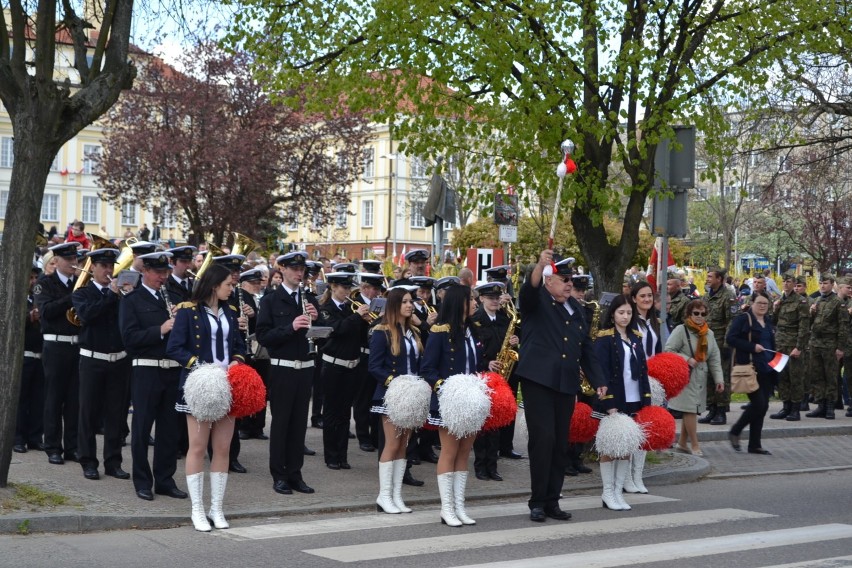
(110, 504)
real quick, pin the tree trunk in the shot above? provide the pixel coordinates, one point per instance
(29, 175)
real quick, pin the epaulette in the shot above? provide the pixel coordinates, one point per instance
(381, 327)
(606, 332)
(186, 305)
(638, 333)
(233, 307)
(440, 328)
(477, 324)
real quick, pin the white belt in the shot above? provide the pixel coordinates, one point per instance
(72, 339)
(32, 354)
(349, 364)
(365, 350)
(111, 357)
(293, 364)
(161, 363)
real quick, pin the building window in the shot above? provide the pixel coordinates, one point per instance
(418, 168)
(753, 192)
(293, 223)
(54, 165)
(7, 155)
(129, 215)
(90, 154)
(90, 210)
(417, 215)
(367, 213)
(50, 207)
(701, 192)
(316, 221)
(448, 226)
(168, 218)
(369, 163)
(4, 200)
(341, 215)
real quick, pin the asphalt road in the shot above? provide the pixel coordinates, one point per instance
(788, 520)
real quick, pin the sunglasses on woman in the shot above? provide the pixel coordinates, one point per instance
(699, 314)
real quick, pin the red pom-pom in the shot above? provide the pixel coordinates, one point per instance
(583, 426)
(248, 393)
(659, 427)
(504, 407)
(570, 165)
(671, 370)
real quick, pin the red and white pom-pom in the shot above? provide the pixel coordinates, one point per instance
(659, 427)
(207, 393)
(248, 393)
(504, 406)
(658, 393)
(671, 370)
(567, 166)
(583, 426)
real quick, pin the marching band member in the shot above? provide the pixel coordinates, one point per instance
(395, 349)
(104, 368)
(207, 330)
(29, 425)
(179, 285)
(251, 283)
(366, 424)
(452, 348)
(646, 318)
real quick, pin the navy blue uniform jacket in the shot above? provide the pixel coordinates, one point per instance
(140, 316)
(275, 326)
(609, 349)
(384, 365)
(99, 314)
(444, 357)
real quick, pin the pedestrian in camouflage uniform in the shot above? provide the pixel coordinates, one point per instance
(829, 335)
(844, 292)
(801, 288)
(792, 323)
(721, 307)
(677, 302)
(759, 285)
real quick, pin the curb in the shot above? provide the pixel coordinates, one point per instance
(771, 433)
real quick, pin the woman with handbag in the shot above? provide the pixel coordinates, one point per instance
(693, 340)
(753, 339)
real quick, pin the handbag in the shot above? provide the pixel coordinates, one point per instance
(744, 377)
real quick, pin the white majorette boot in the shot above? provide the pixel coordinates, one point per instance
(629, 485)
(195, 484)
(218, 482)
(608, 480)
(637, 467)
(459, 484)
(384, 502)
(622, 470)
(445, 488)
(396, 486)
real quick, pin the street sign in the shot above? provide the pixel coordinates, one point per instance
(508, 233)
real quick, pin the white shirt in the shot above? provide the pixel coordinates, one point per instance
(217, 320)
(631, 387)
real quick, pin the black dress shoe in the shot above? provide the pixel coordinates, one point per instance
(537, 515)
(310, 452)
(300, 486)
(36, 446)
(151, 440)
(236, 467)
(351, 435)
(494, 476)
(71, 457)
(173, 492)
(317, 423)
(55, 459)
(416, 461)
(345, 465)
(333, 466)
(260, 436)
(368, 447)
(282, 488)
(556, 513)
(583, 468)
(145, 494)
(760, 451)
(19, 449)
(91, 473)
(735, 442)
(571, 471)
(430, 457)
(409, 479)
(512, 455)
(482, 476)
(117, 473)
(243, 435)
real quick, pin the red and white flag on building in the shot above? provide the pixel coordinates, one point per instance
(655, 264)
(779, 361)
(400, 261)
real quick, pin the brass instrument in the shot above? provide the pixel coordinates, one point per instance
(212, 250)
(426, 306)
(354, 305)
(312, 346)
(508, 356)
(169, 306)
(125, 257)
(243, 245)
(585, 386)
(85, 275)
(40, 239)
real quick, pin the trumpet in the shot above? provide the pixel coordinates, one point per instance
(355, 305)
(426, 306)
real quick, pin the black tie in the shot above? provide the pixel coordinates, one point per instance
(649, 340)
(184, 284)
(220, 341)
(104, 290)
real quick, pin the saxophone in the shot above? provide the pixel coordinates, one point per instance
(585, 386)
(507, 356)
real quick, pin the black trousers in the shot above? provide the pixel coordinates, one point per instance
(507, 433)
(154, 392)
(317, 394)
(366, 423)
(254, 424)
(289, 397)
(548, 414)
(29, 424)
(61, 396)
(754, 414)
(485, 451)
(103, 390)
(340, 384)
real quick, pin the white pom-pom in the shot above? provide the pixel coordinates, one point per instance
(407, 401)
(208, 393)
(465, 403)
(618, 436)
(561, 170)
(658, 393)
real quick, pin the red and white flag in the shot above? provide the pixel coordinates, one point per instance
(655, 265)
(779, 361)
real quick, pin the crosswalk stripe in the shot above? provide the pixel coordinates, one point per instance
(538, 533)
(421, 517)
(683, 549)
(836, 562)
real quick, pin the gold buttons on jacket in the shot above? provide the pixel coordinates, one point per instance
(564, 356)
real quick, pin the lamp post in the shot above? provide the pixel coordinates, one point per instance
(392, 174)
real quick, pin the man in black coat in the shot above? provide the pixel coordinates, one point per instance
(60, 355)
(256, 356)
(104, 368)
(180, 282)
(145, 322)
(555, 344)
(282, 324)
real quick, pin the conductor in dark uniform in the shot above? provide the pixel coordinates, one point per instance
(29, 427)
(60, 356)
(282, 325)
(555, 344)
(104, 368)
(146, 321)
